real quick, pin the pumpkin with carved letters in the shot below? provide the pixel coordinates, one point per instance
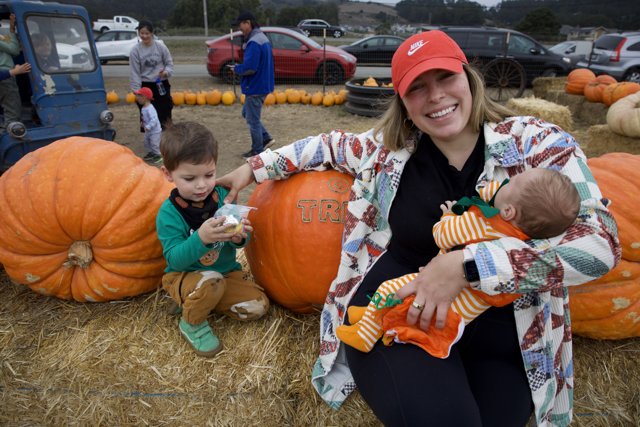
(78, 221)
(294, 250)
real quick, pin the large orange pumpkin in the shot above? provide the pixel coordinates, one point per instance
(294, 251)
(608, 308)
(78, 221)
(618, 175)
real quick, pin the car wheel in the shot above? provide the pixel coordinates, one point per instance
(331, 73)
(103, 29)
(337, 34)
(549, 72)
(633, 75)
(227, 75)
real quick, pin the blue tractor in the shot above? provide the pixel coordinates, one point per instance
(64, 93)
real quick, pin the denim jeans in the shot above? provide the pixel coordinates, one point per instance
(251, 112)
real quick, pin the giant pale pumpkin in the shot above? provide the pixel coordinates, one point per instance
(623, 117)
(608, 308)
(78, 221)
(294, 251)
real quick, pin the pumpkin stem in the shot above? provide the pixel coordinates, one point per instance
(79, 254)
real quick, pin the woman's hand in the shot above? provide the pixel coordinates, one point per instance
(436, 286)
(235, 181)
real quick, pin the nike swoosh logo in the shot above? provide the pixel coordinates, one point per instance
(415, 49)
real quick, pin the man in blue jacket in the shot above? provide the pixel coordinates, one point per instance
(256, 79)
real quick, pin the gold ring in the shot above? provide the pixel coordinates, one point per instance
(417, 306)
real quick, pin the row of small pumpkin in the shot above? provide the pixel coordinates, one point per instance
(216, 97)
(602, 88)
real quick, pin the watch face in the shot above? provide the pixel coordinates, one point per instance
(471, 271)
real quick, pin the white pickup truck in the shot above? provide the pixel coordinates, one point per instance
(116, 23)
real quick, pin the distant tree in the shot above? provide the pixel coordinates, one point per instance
(189, 13)
(539, 23)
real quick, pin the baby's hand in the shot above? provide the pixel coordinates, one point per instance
(213, 230)
(446, 206)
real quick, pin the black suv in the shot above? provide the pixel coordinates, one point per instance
(315, 27)
(482, 44)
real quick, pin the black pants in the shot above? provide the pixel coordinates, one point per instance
(482, 382)
(163, 104)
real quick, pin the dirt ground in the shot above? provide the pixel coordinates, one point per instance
(285, 122)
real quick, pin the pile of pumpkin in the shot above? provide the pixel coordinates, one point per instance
(602, 88)
(216, 97)
(622, 98)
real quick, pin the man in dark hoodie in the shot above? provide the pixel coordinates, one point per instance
(256, 79)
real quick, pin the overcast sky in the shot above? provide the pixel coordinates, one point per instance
(482, 2)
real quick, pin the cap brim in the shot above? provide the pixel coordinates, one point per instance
(450, 64)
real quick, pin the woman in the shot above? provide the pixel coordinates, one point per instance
(151, 65)
(442, 138)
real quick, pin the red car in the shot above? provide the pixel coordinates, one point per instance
(295, 56)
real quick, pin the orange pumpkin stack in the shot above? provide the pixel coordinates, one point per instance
(609, 307)
(78, 221)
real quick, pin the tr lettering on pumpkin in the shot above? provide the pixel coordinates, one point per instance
(328, 210)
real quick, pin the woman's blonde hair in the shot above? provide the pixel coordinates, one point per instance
(396, 127)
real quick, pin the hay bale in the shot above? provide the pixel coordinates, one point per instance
(549, 111)
(543, 85)
(591, 113)
(600, 140)
(124, 363)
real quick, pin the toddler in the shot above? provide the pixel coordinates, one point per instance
(151, 124)
(202, 273)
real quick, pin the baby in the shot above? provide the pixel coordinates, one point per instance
(538, 203)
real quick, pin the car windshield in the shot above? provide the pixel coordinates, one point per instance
(53, 39)
(309, 41)
(608, 42)
(562, 47)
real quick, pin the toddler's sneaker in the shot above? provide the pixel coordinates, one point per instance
(201, 338)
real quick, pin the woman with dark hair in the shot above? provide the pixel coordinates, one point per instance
(151, 66)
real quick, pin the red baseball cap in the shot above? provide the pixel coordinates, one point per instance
(146, 92)
(423, 52)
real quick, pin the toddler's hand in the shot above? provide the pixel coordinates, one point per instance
(213, 230)
(446, 206)
(244, 233)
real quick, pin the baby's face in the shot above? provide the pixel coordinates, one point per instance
(44, 49)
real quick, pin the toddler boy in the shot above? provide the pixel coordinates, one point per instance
(151, 125)
(202, 273)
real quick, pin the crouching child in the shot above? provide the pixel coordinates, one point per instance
(202, 274)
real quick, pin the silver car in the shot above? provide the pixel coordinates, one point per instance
(617, 55)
